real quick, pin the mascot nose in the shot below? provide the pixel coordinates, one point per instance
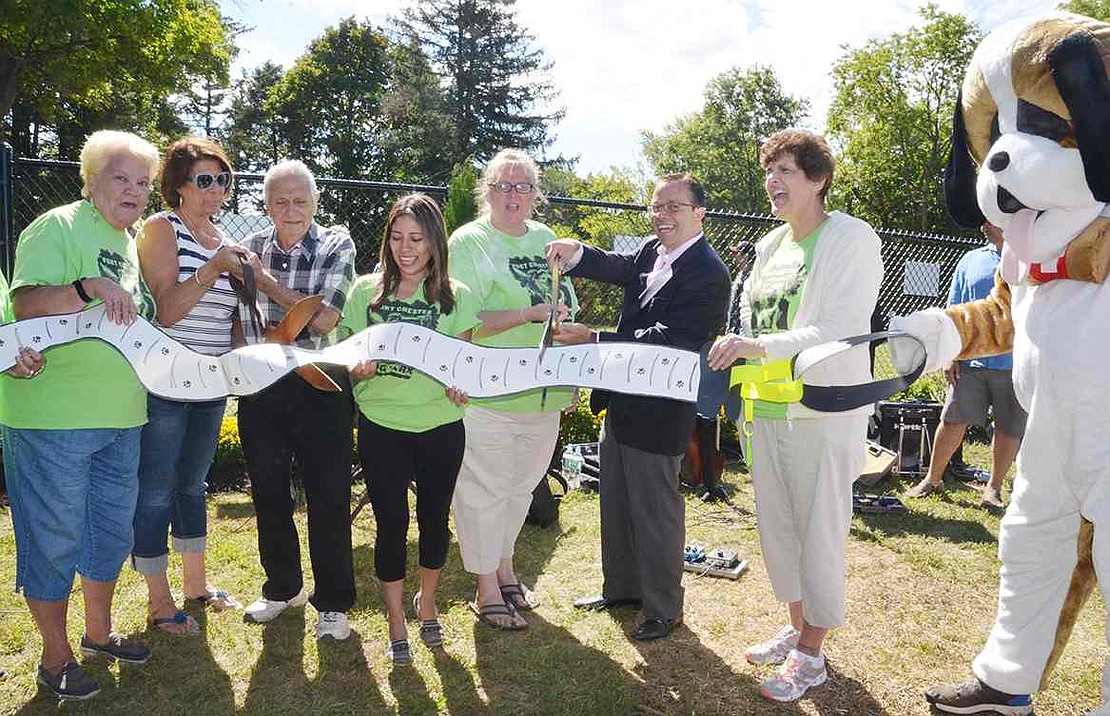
(999, 161)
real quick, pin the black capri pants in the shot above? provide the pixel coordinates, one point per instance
(391, 459)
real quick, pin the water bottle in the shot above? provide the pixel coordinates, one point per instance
(572, 466)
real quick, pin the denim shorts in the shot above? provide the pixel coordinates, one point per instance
(73, 498)
(178, 443)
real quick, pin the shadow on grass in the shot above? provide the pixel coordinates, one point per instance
(919, 524)
(235, 510)
(844, 695)
(546, 671)
(186, 674)
(342, 677)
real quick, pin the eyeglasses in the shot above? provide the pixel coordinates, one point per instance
(504, 187)
(205, 180)
(671, 207)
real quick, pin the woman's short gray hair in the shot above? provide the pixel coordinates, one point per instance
(103, 146)
(501, 161)
(284, 170)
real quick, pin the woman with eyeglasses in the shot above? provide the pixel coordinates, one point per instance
(509, 440)
(185, 260)
(815, 279)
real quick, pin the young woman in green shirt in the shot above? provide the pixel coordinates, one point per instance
(410, 428)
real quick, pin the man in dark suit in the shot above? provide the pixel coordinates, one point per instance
(676, 294)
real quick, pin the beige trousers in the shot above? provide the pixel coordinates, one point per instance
(506, 455)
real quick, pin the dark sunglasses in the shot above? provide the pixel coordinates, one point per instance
(204, 180)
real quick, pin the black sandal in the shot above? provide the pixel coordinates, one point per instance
(522, 598)
(485, 614)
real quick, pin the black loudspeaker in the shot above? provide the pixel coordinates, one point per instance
(908, 428)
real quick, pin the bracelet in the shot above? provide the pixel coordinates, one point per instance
(523, 320)
(202, 284)
(81, 293)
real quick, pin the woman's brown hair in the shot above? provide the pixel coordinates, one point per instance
(179, 160)
(437, 284)
(810, 151)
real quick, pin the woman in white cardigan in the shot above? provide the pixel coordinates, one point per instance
(816, 279)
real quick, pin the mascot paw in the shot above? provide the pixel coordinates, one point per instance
(937, 333)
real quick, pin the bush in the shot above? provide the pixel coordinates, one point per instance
(931, 387)
(229, 467)
(580, 426)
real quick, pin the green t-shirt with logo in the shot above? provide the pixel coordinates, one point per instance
(87, 383)
(509, 273)
(399, 397)
(777, 289)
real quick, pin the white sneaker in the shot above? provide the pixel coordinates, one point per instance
(795, 676)
(775, 649)
(333, 624)
(262, 610)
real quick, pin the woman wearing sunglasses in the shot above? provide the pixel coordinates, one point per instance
(509, 440)
(185, 261)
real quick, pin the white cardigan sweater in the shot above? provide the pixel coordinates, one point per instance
(837, 301)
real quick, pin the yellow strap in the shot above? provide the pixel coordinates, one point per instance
(773, 382)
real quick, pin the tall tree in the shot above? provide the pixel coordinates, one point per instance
(417, 124)
(252, 137)
(328, 105)
(891, 116)
(87, 57)
(720, 143)
(497, 83)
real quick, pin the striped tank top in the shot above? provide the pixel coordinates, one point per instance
(206, 328)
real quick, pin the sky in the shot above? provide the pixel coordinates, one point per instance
(627, 66)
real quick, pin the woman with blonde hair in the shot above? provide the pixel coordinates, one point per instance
(71, 435)
(500, 256)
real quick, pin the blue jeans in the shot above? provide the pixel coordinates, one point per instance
(73, 498)
(178, 443)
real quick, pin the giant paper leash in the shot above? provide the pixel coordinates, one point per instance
(170, 370)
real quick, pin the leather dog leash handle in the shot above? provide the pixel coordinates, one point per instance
(247, 291)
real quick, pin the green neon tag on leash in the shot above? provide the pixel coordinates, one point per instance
(773, 382)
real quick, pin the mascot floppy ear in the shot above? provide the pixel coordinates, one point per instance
(1080, 77)
(959, 176)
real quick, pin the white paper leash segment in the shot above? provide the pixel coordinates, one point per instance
(170, 370)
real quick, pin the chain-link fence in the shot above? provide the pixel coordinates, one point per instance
(918, 266)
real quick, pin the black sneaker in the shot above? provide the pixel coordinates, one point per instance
(975, 697)
(70, 683)
(119, 648)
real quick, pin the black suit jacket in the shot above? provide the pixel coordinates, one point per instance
(689, 310)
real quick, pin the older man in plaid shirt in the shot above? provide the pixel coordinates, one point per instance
(291, 419)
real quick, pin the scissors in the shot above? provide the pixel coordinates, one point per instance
(552, 321)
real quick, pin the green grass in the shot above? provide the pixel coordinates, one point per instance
(922, 590)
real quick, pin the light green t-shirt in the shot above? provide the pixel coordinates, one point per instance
(85, 384)
(399, 397)
(508, 272)
(777, 289)
(5, 317)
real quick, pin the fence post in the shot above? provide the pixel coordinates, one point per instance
(7, 241)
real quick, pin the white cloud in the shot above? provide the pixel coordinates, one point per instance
(623, 66)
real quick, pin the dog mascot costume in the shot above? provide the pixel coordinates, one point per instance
(1034, 119)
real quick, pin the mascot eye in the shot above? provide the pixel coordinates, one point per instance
(1032, 119)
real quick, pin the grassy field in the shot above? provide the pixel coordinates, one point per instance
(921, 598)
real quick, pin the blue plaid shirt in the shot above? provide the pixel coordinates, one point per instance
(321, 263)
